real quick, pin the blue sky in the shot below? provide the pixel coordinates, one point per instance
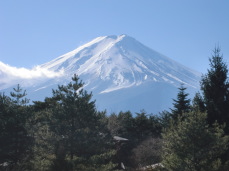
(33, 32)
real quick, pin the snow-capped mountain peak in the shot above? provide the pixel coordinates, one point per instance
(121, 62)
(96, 46)
(121, 72)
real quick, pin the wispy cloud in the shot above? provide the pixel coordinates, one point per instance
(10, 75)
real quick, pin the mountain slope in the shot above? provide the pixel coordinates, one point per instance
(122, 73)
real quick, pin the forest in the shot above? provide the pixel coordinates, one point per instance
(66, 132)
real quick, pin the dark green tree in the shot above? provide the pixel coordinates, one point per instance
(83, 140)
(44, 139)
(191, 144)
(136, 129)
(15, 139)
(155, 125)
(142, 126)
(215, 88)
(19, 96)
(198, 103)
(5, 137)
(181, 104)
(122, 125)
(164, 119)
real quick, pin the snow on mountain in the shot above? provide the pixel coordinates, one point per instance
(122, 73)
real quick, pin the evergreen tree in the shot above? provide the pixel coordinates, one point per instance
(181, 104)
(164, 119)
(155, 125)
(5, 137)
(191, 145)
(18, 96)
(114, 125)
(136, 129)
(83, 141)
(44, 138)
(198, 103)
(15, 139)
(122, 125)
(215, 88)
(142, 126)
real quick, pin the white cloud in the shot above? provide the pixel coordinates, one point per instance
(24, 73)
(10, 75)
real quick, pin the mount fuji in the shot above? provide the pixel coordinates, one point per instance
(121, 73)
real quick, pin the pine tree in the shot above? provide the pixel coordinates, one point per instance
(15, 138)
(5, 137)
(136, 129)
(18, 96)
(191, 145)
(198, 103)
(142, 126)
(44, 138)
(215, 88)
(122, 125)
(83, 141)
(181, 104)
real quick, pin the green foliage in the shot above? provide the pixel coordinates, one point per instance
(81, 132)
(137, 129)
(44, 138)
(18, 96)
(191, 145)
(181, 104)
(15, 141)
(215, 88)
(142, 126)
(198, 103)
(67, 133)
(164, 119)
(5, 123)
(122, 125)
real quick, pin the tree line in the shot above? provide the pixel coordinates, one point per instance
(66, 132)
